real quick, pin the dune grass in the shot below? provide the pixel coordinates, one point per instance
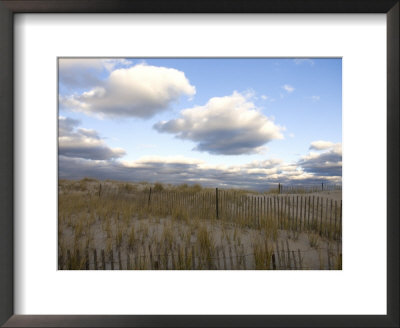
(171, 223)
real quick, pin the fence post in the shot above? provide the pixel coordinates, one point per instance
(148, 203)
(216, 201)
(279, 188)
(322, 186)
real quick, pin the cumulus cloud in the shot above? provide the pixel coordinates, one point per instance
(321, 145)
(328, 163)
(230, 125)
(83, 143)
(288, 88)
(138, 91)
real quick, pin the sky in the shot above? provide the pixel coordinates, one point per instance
(247, 123)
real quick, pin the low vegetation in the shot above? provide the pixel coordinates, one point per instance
(122, 225)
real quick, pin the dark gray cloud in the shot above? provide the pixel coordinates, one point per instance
(328, 163)
(256, 176)
(85, 72)
(229, 125)
(66, 125)
(83, 143)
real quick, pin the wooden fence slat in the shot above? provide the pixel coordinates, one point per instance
(301, 213)
(119, 260)
(300, 259)
(278, 255)
(308, 213)
(273, 262)
(95, 259)
(243, 257)
(283, 255)
(334, 230)
(224, 258)
(288, 255)
(112, 259)
(103, 260)
(297, 210)
(193, 259)
(230, 258)
(218, 259)
(69, 264)
(87, 259)
(330, 219)
(294, 260)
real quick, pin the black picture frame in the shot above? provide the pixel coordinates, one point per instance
(10, 7)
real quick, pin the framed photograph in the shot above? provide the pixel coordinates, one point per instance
(218, 164)
(174, 204)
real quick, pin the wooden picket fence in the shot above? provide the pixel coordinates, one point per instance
(303, 189)
(290, 212)
(232, 258)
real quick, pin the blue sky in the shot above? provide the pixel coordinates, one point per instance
(247, 123)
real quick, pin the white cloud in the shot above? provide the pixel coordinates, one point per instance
(321, 145)
(138, 91)
(230, 125)
(264, 97)
(288, 88)
(83, 143)
(147, 160)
